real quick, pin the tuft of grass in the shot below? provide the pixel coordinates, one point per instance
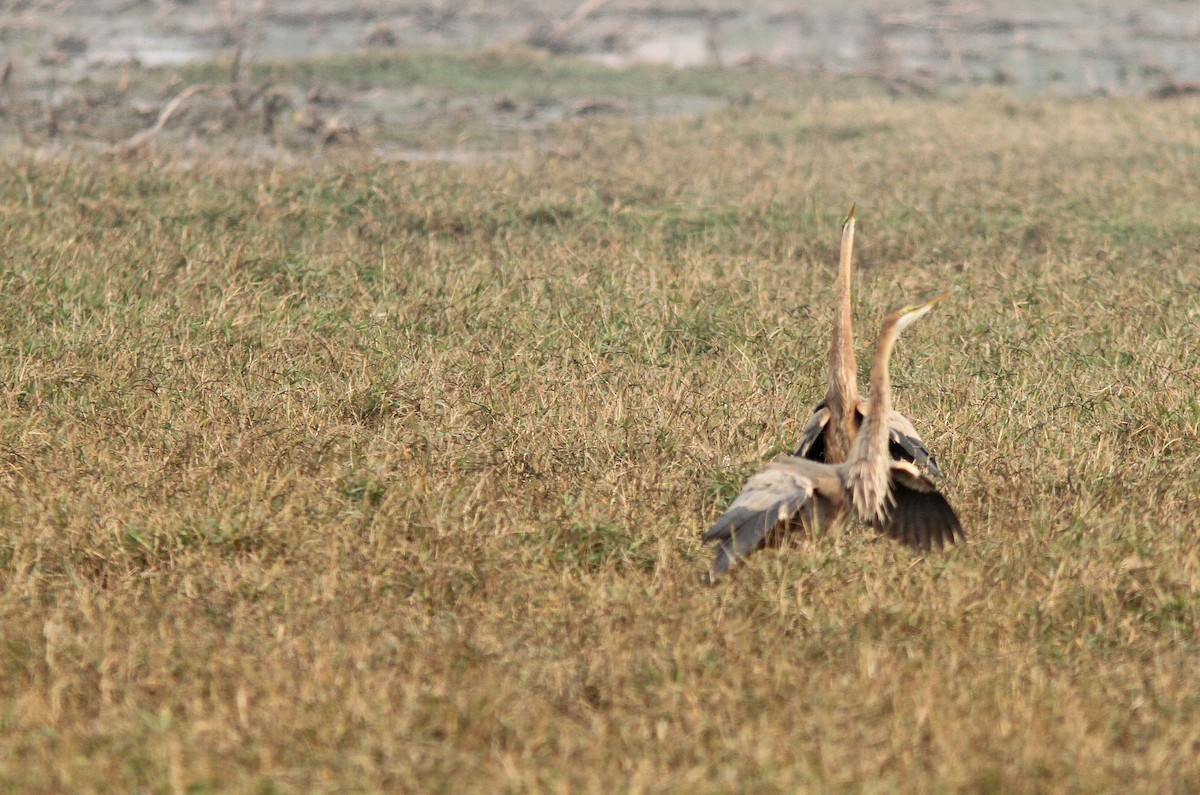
(349, 475)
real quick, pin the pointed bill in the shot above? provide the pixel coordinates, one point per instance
(909, 314)
(937, 299)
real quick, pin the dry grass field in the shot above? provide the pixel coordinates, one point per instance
(362, 477)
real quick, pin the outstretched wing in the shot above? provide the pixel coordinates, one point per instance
(904, 442)
(768, 500)
(920, 517)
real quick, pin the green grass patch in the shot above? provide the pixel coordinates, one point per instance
(514, 73)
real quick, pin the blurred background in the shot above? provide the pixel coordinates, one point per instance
(101, 73)
(1082, 47)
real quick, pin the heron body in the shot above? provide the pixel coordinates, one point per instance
(797, 493)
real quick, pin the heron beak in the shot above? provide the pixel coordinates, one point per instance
(909, 314)
(849, 219)
(932, 302)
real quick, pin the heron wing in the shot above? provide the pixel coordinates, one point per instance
(812, 438)
(768, 499)
(920, 516)
(906, 445)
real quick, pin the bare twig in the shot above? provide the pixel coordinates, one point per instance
(137, 142)
(235, 69)
(552, 35)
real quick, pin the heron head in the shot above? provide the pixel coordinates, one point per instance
(907, 315)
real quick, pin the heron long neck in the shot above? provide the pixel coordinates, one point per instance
(871, 445)
(842, 395)
(868, 467)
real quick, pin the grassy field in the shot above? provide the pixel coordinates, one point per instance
(361, 477)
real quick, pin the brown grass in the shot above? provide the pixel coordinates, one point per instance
(390, 478)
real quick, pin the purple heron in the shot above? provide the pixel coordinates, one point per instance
(890, 495)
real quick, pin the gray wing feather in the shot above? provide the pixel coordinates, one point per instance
(905, 442)
(768, 499)
(920, 516)
(902, 433)
(812, 439)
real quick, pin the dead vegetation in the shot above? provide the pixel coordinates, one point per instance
(391, 477)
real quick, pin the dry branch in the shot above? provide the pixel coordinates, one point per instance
(552, 35)
(135, 143)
